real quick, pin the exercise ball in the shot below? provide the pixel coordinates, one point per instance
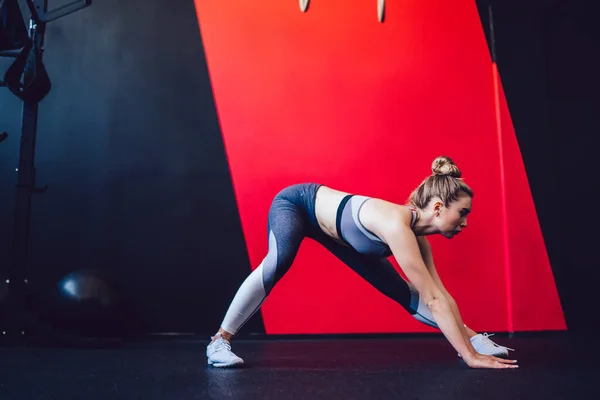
(88, 303)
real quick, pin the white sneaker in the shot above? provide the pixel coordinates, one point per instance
(219, 353)
(484, 345)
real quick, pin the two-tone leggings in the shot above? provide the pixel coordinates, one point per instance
(291, 219)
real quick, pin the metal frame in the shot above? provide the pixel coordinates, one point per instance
(56, 13)
(10, 53)
(14, 332)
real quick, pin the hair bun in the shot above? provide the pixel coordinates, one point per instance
(443, 165)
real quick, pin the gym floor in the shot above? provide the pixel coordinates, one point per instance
(553, 366)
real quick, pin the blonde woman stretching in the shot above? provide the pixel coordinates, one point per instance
(363, 232)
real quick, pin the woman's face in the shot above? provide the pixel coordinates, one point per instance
(453, 219)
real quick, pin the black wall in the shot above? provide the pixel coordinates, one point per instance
(547, 56)
(130, 146)
(573, 90)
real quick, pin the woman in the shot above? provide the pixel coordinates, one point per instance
(363, 232)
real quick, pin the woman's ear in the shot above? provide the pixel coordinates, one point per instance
(437, 208)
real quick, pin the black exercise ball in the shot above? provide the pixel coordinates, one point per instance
(88, 303)
(88, 287)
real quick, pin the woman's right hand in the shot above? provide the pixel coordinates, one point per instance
(477, 360)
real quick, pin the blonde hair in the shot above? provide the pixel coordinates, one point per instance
(445, 183)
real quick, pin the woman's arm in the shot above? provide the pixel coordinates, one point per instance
(427, 255)
(405, 249)
(392, 224)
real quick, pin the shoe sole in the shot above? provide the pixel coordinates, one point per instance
(224, 365)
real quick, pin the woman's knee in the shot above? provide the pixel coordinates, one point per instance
(278, 261)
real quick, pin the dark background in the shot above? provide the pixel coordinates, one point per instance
(547, 55)
(130, 146)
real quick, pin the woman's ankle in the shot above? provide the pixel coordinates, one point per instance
(224, 334)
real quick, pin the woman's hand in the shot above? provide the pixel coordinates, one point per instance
(476, 360)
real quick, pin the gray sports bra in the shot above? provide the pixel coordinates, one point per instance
(352, 231)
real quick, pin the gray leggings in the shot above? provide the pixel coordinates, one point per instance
(291, 219)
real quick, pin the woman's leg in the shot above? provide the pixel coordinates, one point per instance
(287, 229)
(382, 275)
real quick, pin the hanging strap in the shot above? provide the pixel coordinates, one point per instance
(38, 85)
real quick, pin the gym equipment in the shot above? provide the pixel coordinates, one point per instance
(27, 79)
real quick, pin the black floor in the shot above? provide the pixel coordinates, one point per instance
(555, 367)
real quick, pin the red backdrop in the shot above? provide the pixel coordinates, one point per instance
(335, 97)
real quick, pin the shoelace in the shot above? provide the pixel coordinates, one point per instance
(485, 338)
(223, 343)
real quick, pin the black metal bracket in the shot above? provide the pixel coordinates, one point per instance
(38, 15)
(57, 13)
(65, 10)
(10, 53)
(34, 189)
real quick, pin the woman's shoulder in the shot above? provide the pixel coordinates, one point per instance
(380, 215)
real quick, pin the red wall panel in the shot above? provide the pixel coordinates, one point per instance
(335, 97)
